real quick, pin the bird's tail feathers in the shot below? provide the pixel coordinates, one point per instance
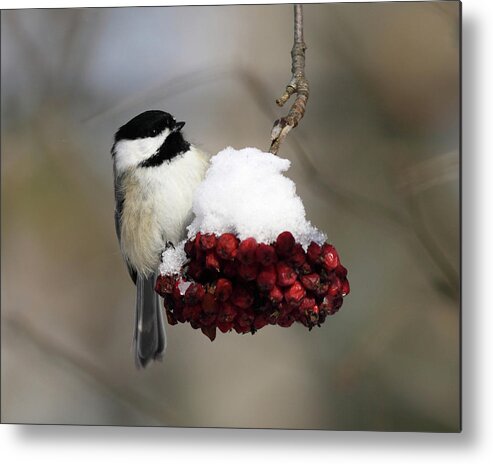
(150, 336)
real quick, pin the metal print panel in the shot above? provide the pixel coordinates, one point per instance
(289, 265)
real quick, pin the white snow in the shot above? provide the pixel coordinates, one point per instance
(183, 286)
(173, 259)
(246, 193)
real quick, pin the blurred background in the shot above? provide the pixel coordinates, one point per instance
(375, 160)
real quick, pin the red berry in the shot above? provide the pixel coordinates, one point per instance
(209, 304)
(190, 248)
(264, 305)
(345, 287)
(341, 271)
(178, 313)
(285, 243)
(195, 270)
(199, 252)
(261, 320)
(309, 311)
(294, 294)
(194, 294)
(247, 251)
(224, 288)
(266, 279)
(165, 284)
(322, 289)
(207, 241)
(244, 320)
(335, 286)
(298, 316)
(210, 332)
(286, 275)
(331, 305)
(226, 246)
(327, 305)
(192, 312)
(176, 298)
(275, 296)
(212, 261)
(240, 328)
(242, 297)
(303, 319)
(310, 281)
(171, 318)
(298, 256)
(313, 252)
(307, 304)
(207, 319)
(224, 326)
(227, 312)
(245, 316)
(230, 269)
(273, 317)
(337, 303)
(314, 314)
(285, 309)
(303, 287)
(248, 271)
(177, 295)
(265, 255)
(305, 268)
(330, 258)
(285, 321)
(179, 289)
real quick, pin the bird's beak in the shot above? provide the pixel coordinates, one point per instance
(178, 126)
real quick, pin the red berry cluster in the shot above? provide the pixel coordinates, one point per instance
(245, 285)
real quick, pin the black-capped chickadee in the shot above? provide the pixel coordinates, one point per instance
(156, 172)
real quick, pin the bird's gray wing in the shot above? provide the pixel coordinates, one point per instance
(119, 204)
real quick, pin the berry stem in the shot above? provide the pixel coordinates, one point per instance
(298, 85)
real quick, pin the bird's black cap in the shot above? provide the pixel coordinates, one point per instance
(148, 124)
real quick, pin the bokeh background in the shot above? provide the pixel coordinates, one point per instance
(375, 160)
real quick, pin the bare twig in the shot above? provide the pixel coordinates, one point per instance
(298, 85)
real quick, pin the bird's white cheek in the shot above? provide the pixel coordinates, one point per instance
(130, 153)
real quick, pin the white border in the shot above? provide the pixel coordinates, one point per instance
(474, 445)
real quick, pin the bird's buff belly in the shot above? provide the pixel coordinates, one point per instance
(146, 227)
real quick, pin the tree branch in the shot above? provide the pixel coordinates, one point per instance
(298, 85)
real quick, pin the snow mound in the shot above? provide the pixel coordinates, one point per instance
(245, 193)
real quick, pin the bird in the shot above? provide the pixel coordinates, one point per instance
(156, 171)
